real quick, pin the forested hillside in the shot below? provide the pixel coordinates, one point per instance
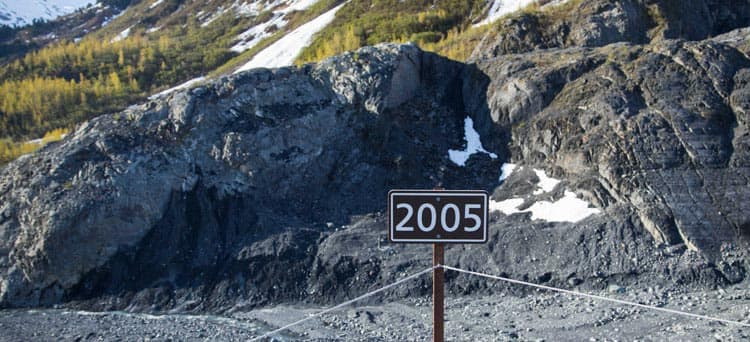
(68, 82)
(71, 81)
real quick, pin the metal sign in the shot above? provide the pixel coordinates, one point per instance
(437, 216)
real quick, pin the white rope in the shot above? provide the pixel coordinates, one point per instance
(368, 294)
(581, 294)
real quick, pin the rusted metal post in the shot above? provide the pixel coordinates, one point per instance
(438, 294)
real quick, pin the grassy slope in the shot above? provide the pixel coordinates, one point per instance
(443, 27)
(368, 22)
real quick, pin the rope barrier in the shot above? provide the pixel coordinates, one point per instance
(581, 294)
(333, 308)
(509, 280)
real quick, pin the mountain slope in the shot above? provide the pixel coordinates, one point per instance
(21, 13)
(286, 50)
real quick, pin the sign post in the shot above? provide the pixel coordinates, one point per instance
(437, 217)
(438, 294)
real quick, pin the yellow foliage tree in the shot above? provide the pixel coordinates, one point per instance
(114, 81)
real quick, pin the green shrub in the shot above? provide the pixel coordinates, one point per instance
(426, 37)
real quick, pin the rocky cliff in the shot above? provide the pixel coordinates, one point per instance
(270, 185)
(595, 23)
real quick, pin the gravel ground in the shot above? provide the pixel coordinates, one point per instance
(538, 316)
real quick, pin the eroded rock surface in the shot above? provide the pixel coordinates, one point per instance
(659, 127)
(269, 186)
(595, 23)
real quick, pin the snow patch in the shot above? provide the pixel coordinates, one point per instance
(245, 9)
(212, 18)
(500, 8)
(507, 207)
(301, 5)
(255, 34)
(473, 145)
(179, 87)
(284, 51)
(506, 170)
(41, 141)
(156, 3)
(122, 35)
(109, 20)
(553, 3)
(569, 208)
(546, 184)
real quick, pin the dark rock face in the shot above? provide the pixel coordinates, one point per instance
(600, 22)
(700, 19)
(628, 120)
(221, 188)
(270, 186)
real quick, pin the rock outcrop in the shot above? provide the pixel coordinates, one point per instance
(270, 185)
(596, 23)
(659, 127)
(234, 183)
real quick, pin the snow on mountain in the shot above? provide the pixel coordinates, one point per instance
(185, 85)
(506, 170)
(280, 8)
(473, 145)
(284, 51)
(502, 7)
(155, 4)
(568, 208)
(122, 35)
(23, 12)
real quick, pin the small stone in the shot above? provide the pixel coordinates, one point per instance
(575, 281)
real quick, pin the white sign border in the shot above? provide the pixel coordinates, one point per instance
(459, 193)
